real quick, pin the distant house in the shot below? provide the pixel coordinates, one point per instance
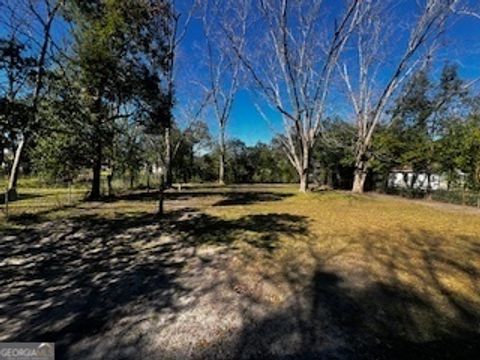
(407, 178)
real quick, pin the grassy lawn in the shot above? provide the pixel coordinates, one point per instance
(242, 272)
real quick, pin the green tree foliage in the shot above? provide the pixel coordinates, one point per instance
(264, 163)
(422, 115)
(459, 150)
(63, 144)
(195, 138)
(333, 156)
(16, 73)
(112, 77)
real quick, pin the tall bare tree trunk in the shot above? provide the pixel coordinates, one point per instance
(304, 171)
(168, 158)
(38, 84)
(12, 181)
(370, 95)
(221, 169)
(161, 191)
(148, 177)
(292, 66)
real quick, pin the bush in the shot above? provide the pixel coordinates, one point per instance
(409, 193)
(457, 197)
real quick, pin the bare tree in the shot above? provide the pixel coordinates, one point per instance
(373, 72)
(223, 75)
(176, 32)
(35, 23)
(290, 50)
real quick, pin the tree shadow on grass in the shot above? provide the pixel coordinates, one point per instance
(38, 216)
(332, 322)
(20, 196)
(243, 198)
(332, 317)
(229, 197)
(259, 230)
(73, 282)
(65, 284)
(86, 284)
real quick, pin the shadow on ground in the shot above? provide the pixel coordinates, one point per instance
(330, 321)
(20, 196)
(235, 196)
(66, 281)
(109, 286)
(338, 317)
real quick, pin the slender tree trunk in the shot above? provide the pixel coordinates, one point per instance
(221, 169)
(385, 181)
(2, 155)
(12, 181)
(109, 184)
(168, 158)
(413, 180)
(132, 181)
(148, 178)
(161, 190)
(429, 185)
(95, 193)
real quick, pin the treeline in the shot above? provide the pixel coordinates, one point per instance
(261, 163)
(90, 89)
(195, 160)
(434, 129)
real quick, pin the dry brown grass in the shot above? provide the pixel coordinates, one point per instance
(269, 272)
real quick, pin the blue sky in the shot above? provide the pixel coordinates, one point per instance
(461, 47)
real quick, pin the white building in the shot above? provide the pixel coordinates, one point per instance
(409, 179)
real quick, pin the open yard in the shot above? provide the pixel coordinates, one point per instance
(242, 272)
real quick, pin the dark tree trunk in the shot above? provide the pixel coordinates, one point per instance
(2, 157)
(168, 158)
(95, 192)
(109, 183)
(161, 189)
(148, 178)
